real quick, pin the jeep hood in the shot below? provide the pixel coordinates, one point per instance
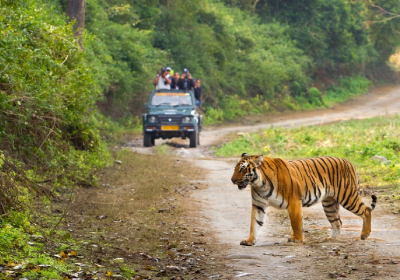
(171, 111)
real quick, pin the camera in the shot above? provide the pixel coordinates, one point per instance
(163, 70)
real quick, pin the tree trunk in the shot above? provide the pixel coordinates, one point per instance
(75, 10)
(254, 6)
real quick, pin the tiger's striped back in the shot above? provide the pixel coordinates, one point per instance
(328, 177)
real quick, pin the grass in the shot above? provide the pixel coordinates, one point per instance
(21, 253)
(356, 140)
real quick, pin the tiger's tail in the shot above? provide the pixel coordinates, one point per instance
(374, 199)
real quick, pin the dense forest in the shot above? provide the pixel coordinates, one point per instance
(252, 56)
(62, 94)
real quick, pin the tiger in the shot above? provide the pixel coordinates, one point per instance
(301, 183)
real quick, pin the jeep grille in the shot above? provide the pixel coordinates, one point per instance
(167, 119)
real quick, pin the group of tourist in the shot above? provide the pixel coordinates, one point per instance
(163, 80)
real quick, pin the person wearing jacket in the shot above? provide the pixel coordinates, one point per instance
(186, 81)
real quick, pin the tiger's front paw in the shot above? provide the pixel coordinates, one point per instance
(295, 240)
(364, 236)
(248, 242)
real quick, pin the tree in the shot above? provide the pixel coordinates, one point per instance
(75, 10)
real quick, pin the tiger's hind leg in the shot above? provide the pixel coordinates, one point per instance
(331, 208)
(366, 229)
(358, 207)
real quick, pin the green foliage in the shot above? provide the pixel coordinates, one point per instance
(213, 116)
(369, 137)
(384, 28)
(245, 48)
(230, 51)
(48, 99)
(18, 247)
(288, 103)
(347, 88)
(311, 99)
(315, 97)
(11, 238)
(233, 107)
(333, 33)
(39, 47)
(122, 56)
(271, 49)
(127, 272)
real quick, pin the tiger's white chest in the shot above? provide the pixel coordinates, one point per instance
(269, 198)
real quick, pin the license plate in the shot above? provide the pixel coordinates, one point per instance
(170, 127)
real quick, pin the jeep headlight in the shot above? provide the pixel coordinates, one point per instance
(186, 119)
(152, 119)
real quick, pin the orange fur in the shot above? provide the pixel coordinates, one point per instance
(295, 184)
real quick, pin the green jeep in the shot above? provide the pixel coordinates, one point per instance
(172, 113)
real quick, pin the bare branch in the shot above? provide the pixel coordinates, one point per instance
(383, 12)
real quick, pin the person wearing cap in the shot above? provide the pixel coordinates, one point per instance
(168, 72)
(186, 82)
(162, 80)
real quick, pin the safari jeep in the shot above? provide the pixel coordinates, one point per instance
(171, 113)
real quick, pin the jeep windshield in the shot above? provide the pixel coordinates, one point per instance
(171, 99)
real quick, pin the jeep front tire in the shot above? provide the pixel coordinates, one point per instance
(194, 139)
(147, 140)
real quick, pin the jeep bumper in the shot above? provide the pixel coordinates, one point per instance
(169, 131)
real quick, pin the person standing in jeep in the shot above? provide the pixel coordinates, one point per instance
(197, 92)
(162, 80)
(174, 80)
(186, 82)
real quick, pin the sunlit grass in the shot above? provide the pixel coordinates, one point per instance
(355, 140)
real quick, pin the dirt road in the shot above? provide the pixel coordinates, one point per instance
(226, 211)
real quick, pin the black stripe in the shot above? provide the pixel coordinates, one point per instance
(259, 208)
(271, 185)
(358, 209)
(334, 211)
(318, 173)
(255, 199)
(330, 205)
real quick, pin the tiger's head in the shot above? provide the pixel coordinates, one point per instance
(245, 172)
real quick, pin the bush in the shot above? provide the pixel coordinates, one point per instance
(347, 88)
(48, 99)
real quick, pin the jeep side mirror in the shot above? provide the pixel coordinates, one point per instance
(146, 105)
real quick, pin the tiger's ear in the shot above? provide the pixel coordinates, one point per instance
(244, 155)
(259, 160)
